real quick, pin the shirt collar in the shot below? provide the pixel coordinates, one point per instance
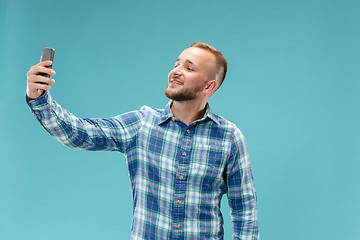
(167, 114)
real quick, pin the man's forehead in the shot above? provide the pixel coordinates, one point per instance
(196, 56)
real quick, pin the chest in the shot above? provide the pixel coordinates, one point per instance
(198, 149)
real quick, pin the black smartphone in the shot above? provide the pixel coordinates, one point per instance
(48, 54)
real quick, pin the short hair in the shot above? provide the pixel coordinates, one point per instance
(221, 63)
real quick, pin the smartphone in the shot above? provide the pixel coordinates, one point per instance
(48, 54)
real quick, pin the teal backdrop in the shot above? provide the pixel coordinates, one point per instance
(292, 88)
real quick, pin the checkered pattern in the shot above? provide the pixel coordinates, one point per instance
(178, 173)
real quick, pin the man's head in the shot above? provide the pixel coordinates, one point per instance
(198, 72)
(220, 67)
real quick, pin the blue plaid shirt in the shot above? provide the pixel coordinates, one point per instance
(178, 173)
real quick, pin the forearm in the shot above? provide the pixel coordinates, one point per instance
(68, 129)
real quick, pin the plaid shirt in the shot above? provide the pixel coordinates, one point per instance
(178, 173)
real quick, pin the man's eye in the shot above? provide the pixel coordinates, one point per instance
(189, 68)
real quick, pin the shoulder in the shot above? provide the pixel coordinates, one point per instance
(234, 134)
(239, 148)
(145, 113)
(152, 111)
(229, 126)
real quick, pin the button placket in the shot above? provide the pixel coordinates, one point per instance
(183, 161)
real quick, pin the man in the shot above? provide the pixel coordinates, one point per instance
(181, 159)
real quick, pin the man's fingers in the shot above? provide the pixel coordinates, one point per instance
(34, 87)
(34, 70)
(36, 82)
(41, 79)
(39, 86)
(45, 63)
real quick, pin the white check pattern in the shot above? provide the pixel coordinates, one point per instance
(178, 173)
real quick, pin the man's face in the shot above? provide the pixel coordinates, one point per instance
(190, 74)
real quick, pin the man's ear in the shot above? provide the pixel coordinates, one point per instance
(210, 87)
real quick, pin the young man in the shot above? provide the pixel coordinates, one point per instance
(181, 159)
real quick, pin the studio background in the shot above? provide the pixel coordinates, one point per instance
(292, 88)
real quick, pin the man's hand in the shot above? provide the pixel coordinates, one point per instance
(37, 84)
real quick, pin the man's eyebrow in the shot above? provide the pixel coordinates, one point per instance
(188, 61)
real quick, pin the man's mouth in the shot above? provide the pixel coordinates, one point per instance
(175, 81)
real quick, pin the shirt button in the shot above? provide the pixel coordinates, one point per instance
(178, 202)
(181, 177)
(184, 154)
(188, 131)
(177, 225)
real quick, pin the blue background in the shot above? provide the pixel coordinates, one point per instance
(292, 88)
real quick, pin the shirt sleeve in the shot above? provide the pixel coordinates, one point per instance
(108, 134)
(241, 191)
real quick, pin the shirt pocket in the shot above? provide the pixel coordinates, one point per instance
(208, 160)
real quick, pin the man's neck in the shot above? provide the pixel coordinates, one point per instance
(188, 111)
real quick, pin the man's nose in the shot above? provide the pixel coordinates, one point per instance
(177, 71)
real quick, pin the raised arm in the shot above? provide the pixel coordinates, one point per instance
(111, 134)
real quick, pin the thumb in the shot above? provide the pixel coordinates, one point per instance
(40, 58)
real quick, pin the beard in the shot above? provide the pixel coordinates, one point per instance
(186, 94)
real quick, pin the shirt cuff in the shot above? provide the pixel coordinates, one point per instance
(38, 103)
